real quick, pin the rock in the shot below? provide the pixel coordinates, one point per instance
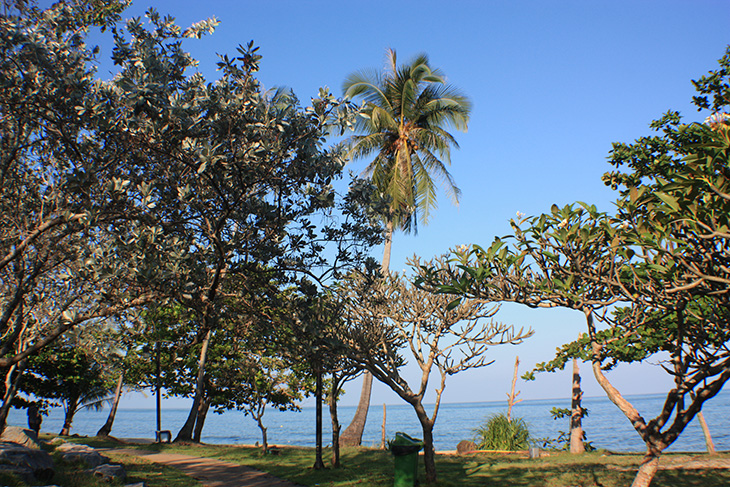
(90, 458)
(21, 474)
(138, 484)
(21, 436)
(109, 472)
(465, 446)
(38, 461)
(72, 452)
(57, 441)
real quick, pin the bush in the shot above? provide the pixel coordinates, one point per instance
(499, 433)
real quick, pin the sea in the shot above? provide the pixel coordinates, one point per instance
(605, 426)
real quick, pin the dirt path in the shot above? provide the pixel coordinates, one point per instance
(208, 471)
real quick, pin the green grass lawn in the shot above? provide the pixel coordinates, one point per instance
(363, 467)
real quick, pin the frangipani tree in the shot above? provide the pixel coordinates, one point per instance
(388, 320)
(651, 278)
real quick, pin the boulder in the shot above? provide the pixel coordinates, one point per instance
(37, 461)
(21, 436)
(465, 446)
(109, 472)
(71, 453)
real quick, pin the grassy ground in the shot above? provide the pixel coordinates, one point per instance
(374, 468)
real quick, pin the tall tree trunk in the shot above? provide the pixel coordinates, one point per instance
(318, 462)
(107, 428)
(335, 423)
(186, 432)
(576, 414)
(71, 408)
(352, 436)
(200, 420)
(12, 379)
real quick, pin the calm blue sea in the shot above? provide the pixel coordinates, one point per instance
(605, 426)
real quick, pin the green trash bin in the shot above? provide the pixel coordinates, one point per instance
(405, 455)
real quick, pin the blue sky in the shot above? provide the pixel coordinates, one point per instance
(552, 84)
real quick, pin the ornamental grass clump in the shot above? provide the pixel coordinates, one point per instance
(499, 433)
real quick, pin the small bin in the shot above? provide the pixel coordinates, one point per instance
(405, 455)
(163, 436)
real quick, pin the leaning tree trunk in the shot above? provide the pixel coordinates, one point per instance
(650, 464)
(186, 432)
(107, 428)
(73, 405)
(11, 387)
(200, 420)
(352, 436)
(576, 414)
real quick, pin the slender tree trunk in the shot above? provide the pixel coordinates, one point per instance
(706, 432)
(429, 454)
(107, 428)
(72, 406)
(12, 379)
(335, 423)
(200, 420)
(260, 421)
(186, 432)
(352, 436)
(576, 414)
(318, 462)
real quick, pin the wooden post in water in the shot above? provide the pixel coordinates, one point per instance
(382, 441)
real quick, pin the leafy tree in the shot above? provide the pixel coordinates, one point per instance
(403, 123)
(650, 279)
(69, 373)
(57, 268)
(389, 315)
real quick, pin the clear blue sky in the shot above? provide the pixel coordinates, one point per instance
(552, 84)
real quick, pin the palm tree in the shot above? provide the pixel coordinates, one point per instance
(403, 123)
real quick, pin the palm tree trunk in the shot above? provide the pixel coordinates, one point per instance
(576, 415)
(186, 432)
(352, 436)
(107, 428)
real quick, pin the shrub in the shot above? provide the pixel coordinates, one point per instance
(499, 433)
